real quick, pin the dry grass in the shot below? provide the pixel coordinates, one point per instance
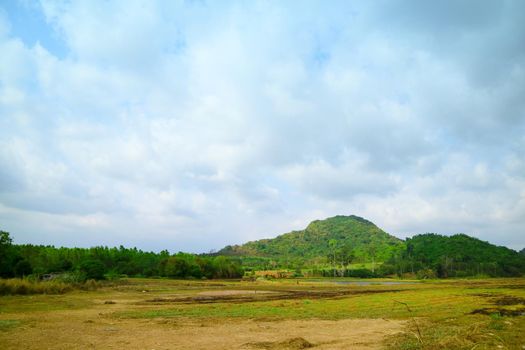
(19, 286)
(433, 315)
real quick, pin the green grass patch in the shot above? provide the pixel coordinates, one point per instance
(6, 325)
(435, 303)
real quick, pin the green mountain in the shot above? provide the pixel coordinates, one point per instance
(460, 252)
(335, 241)
(321, 238)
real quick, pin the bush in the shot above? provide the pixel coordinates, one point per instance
(360, 273)
(426, 274)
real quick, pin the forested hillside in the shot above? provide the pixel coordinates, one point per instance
(459, 255)
(330, 245)
(341, 235)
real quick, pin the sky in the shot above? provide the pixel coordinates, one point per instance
(190, 125)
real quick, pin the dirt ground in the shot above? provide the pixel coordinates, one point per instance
(170, 314)
(233, 292)
(91, 321)
(90, 329)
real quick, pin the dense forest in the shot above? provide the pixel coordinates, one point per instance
(354, 247)
(321, 238)
(455, 256)
(79, 264)
(347, 246)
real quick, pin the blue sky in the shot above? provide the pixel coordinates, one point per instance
(189, 125)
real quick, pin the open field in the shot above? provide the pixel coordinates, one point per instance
(281, 314)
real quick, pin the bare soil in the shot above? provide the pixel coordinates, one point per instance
(91, 329)
(215, 293)
(246, 296)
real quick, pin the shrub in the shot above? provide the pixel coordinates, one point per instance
(360, 273)
(426, 274)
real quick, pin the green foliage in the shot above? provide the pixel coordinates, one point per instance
(7, 255)
(75, 265)
(325, 248)
(22, 268)
(5, 240)
(329, 246)
(457, 256)
(8, 324)
(92, 269)
(349, 237)
(227, 268)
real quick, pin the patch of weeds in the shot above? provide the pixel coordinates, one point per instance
(497, 324)
(8, 324)
(495, 316)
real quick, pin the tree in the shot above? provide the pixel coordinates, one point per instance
(346, 256)
(182, 265)
(226, 268)
(410, 255)
(93, 269)
(23, 268)
(5, 240)
(372, 253)
(332, 256)
(7, 255)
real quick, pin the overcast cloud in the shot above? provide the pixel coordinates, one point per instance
(190, 125)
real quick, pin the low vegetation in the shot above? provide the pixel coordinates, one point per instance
(59, 285)
(276, 314)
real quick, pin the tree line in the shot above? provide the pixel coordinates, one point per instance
(424, 256)
(18, 260)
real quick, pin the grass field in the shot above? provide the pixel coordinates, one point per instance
(279, 314)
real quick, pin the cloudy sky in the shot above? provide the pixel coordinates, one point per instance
(190, 125)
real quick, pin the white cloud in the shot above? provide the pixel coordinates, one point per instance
(195, 125)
